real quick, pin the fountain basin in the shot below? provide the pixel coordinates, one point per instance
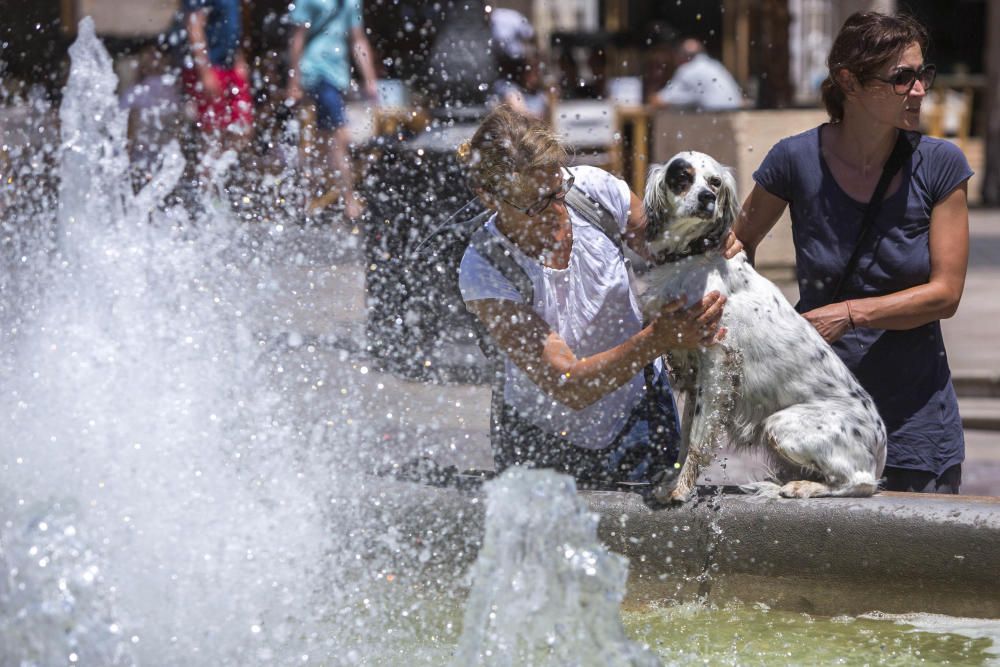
(894, 553)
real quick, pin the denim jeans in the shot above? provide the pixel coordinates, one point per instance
(646, 448)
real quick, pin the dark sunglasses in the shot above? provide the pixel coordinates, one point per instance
(904, 79)
(543, 203)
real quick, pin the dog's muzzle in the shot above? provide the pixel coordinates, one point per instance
(707, 201)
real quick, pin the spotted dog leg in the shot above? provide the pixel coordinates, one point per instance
(839, 457)
(708, 420)
(684, 383)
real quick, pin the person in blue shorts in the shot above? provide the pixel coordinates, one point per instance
(882, 317)
(325, 35)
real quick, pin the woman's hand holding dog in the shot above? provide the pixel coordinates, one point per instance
(731, 246)
(831, 321)
(692, 327)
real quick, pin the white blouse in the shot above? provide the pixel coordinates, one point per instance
(590, 304)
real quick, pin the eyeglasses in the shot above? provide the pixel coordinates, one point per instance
(905, 78)
(543, 203)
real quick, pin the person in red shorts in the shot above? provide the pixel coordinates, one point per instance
(216, 75)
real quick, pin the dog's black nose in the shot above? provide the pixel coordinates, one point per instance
(706, 197)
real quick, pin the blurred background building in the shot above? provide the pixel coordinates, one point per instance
(601, 60)
(595, 64)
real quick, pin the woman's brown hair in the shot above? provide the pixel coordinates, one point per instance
(866, 42)
(506, 146)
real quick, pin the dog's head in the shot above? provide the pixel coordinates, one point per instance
(690, 204)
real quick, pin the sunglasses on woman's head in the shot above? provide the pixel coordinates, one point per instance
(905, 78)
(543, 202)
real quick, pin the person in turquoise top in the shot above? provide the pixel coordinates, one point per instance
(326, 33)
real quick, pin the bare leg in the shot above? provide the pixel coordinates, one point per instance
(218, 151)
(340, 174)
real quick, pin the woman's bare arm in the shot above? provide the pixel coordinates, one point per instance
(761, 211)
(296, 46)
(365, 60)
(196, 26)
(577, 382)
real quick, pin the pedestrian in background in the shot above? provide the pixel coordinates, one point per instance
(326, 34)
(216, 75)
(700, 82)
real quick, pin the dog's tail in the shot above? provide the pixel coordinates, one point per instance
(859, 488)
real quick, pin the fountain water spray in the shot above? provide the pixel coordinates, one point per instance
(154, 501)
(545, 590)
(172, 492)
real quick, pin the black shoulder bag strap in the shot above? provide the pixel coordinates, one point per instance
(322, 25)
(602, 218)
(502, 259)
(905, 145)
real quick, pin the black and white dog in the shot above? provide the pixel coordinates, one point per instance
(773, 383)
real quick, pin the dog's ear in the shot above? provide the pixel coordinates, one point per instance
(653, 197)
(655, 200)
(729, 205)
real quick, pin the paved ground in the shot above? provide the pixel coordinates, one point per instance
(973, 342)
(326, 302)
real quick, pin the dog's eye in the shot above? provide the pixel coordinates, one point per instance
(715, 181)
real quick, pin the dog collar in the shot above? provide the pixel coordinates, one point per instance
(699, 246)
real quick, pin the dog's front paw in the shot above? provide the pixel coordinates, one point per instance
(675, 487)
(671, 493)
(681, 495)
(661, 493)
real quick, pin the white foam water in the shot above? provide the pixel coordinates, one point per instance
(973, 628)
(545, 590)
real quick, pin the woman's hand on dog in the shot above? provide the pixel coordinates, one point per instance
(731, 246)
(831, 321)
(692, 327)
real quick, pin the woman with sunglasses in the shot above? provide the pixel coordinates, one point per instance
(876, 286)
(585, 391)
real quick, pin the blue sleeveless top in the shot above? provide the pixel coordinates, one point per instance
(906, 372)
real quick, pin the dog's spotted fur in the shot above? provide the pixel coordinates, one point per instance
(773, 383)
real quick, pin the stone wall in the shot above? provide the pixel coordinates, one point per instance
(127, 19)
(894, 552)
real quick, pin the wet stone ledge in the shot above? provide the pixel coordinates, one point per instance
(893, 553)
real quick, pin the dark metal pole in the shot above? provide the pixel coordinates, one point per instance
(991, 176)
